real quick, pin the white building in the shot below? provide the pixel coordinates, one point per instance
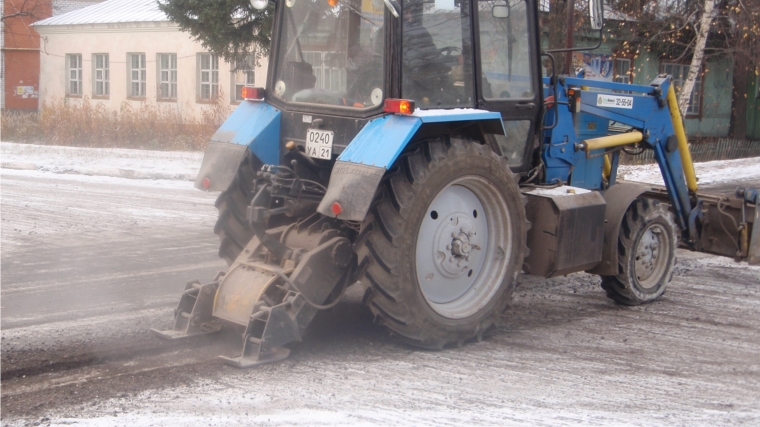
(128, 51)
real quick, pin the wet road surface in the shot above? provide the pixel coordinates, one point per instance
(89, 265)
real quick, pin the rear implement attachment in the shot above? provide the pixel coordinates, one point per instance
(274, 299)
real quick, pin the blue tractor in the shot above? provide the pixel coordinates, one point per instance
(416, 148)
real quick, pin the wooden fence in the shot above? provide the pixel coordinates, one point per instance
(705, 151)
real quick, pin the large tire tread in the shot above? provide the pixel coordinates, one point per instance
(379, 241)
(231, 225)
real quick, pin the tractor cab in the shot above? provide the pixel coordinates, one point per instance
(344, 58)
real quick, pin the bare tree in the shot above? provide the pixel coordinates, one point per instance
(34, 9)
(697, 59)
(745, 51)
(697, 31)
(19, 14)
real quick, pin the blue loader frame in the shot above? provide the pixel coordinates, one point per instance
(647, 112)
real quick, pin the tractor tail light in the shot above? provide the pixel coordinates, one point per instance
(253, 93)
(336, 208)
(398, 106)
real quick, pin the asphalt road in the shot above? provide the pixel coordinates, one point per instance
(89, 265)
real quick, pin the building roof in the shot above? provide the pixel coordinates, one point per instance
(110, 12)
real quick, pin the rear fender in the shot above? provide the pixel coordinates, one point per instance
(362, 165)
(253, 127)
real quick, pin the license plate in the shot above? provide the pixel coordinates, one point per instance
(319, 143)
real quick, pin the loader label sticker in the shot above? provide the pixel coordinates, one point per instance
(319, 143)
(614, 101)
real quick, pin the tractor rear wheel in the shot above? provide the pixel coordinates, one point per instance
(646, 254)
(232, 225)
(443, 247)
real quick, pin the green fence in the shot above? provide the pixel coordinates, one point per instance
(705, 151)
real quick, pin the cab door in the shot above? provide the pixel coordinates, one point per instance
(508, 73)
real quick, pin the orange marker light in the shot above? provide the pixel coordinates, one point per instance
(336, 208)
(206, 183)
(253, 93)
(332, 3)
(398, 106)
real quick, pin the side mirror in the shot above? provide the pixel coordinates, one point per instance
(500, 10)
(596, 13)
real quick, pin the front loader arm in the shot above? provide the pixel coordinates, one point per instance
(652, 113)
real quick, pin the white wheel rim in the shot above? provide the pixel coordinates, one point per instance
(463, 247)
(651, 256)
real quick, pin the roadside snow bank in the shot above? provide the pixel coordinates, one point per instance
(715, 172)
(113, 162)
(183, 165)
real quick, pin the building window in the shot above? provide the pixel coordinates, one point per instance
(621, 73)
(328, 77)
(623, 70)
(74, 74)
(208, 76)
(101, 81)
(167, 76)
(680, 72)
(137, 75)
(242, 75)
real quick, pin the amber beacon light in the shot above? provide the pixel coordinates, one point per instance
(398, 106)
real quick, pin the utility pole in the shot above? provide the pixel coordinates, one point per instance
(569, 24)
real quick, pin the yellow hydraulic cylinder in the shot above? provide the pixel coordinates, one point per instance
(683, 146)
(611, 141)
(607, 167)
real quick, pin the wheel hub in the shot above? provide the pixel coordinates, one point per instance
(453, 246)
(648, 261)
(460, 246)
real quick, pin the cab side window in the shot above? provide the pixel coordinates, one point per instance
(505, 49)
(436, 54)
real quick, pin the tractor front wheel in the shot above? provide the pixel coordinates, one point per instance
(443, 247)
(646, 253)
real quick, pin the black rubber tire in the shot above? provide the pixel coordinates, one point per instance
(626, 288)
(387, 242)
(232, 225)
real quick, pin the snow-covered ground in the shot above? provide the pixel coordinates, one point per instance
(108, 162)
(708, 173)
(183, 165)
(565, 357)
